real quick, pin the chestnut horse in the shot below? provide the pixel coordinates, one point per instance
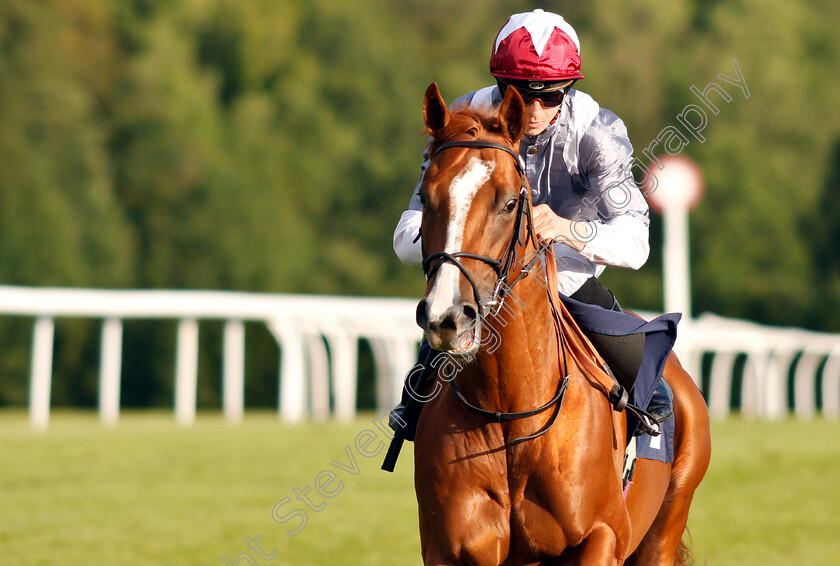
(541, 482)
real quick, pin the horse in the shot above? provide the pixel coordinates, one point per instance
(519, 457)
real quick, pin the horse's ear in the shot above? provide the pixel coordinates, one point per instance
(512, 114)
(435, 113)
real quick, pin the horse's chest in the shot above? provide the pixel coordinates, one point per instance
(523, 502)
(529, 499)
(543, 505)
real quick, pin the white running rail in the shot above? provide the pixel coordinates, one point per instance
(309, 372)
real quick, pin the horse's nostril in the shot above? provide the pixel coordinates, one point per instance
(470, 313)
(448, 323)
(422, 315)
(456, 318)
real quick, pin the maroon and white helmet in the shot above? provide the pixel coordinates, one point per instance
(536, 46)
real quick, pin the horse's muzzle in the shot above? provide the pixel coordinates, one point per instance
(453, 330)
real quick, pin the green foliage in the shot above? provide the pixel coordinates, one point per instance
(755, 244)
(60, 221)
(270, 146)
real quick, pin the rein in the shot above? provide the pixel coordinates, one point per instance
(502, 267)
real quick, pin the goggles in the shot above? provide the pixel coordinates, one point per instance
(548, 98)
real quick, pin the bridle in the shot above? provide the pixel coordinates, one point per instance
(503, 266)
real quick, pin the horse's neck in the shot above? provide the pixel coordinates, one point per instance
(518, 368)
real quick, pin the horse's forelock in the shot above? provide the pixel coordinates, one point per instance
(463, 119)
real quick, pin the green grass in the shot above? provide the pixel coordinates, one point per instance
(770, 496)
(150, 492)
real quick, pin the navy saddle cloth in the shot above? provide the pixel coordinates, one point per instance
(660, 335)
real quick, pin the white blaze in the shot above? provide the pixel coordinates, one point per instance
(461, 193)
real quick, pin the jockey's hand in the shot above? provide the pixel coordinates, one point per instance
(553, 228)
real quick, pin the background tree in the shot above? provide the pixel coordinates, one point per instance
(269, 146)
(60, 223)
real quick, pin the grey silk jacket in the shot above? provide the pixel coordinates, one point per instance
(581, 167)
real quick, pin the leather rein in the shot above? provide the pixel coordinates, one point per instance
(503, 267)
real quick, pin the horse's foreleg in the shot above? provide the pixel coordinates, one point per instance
(599, 548)
(476, 532)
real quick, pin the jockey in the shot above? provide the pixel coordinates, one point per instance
(577, 158)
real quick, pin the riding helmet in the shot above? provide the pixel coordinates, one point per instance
(538, 47)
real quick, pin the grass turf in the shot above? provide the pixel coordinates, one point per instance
(150, 492)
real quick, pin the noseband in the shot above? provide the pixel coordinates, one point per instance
(503, 265)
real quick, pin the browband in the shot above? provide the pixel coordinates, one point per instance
(481, 144)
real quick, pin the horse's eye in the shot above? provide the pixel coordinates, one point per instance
(511, 205)
(422, 200)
